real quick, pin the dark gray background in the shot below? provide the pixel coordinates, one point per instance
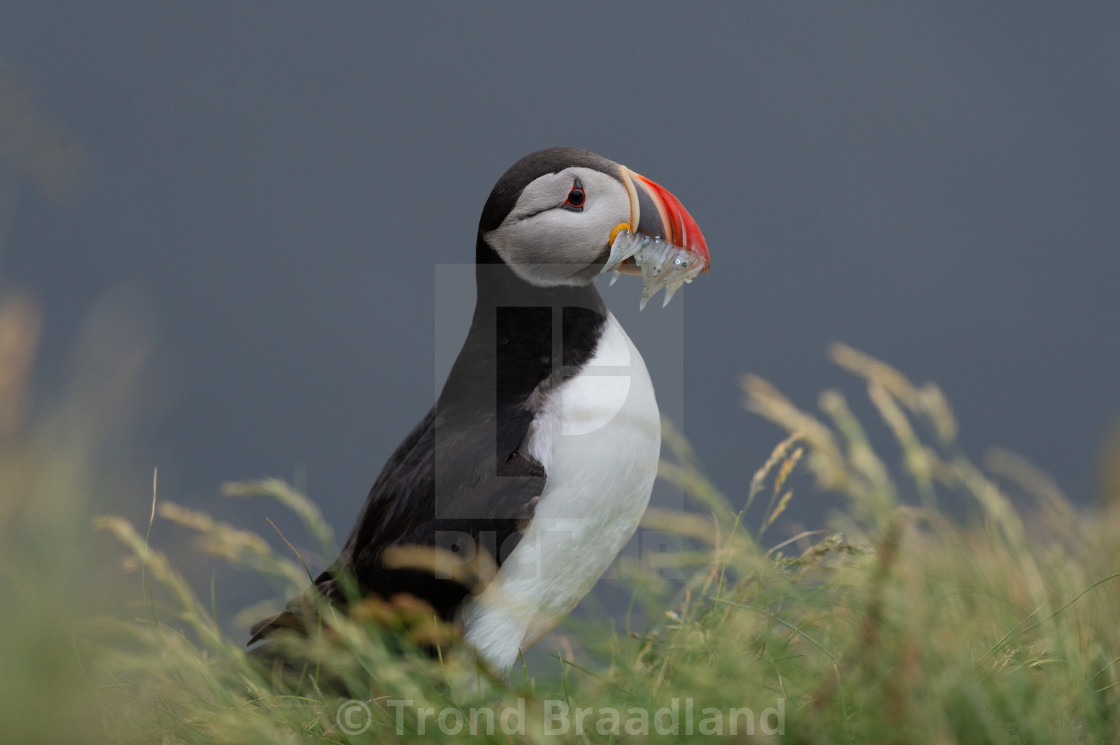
(938, 185)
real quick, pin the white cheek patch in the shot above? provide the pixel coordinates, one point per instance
(545, 193)
(546, 244)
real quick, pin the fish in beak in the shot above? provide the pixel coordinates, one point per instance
(661, 242)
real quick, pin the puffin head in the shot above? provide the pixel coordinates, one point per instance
(562, 216)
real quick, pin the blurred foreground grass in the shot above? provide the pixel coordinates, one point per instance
(894, 623)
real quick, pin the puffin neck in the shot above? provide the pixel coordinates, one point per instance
(520, 337)
(499, 286)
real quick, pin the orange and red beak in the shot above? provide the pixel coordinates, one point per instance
(661, 242)
(656, 213)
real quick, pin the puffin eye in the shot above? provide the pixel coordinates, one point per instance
(576, 198)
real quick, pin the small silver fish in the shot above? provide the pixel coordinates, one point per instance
(663, 264)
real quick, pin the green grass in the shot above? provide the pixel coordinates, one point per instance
(888, 622)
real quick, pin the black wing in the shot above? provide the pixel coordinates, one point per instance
(475, 504)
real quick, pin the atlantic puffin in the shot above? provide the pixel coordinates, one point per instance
(533, 468)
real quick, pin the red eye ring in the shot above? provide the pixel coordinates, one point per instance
(576, 198)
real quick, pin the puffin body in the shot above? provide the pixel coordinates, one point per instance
(598, 437)
(508, 501)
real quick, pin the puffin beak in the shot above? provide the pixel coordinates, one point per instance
(661, 242)
(656, 213)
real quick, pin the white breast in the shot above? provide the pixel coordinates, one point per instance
(599, 439)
